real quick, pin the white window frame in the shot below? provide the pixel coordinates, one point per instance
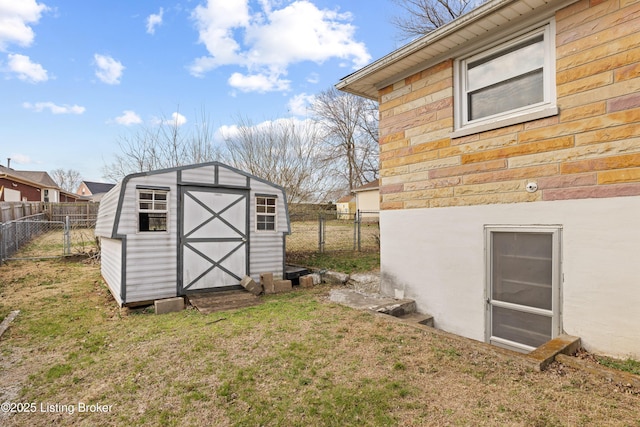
(546, 108)
(273, 214)
(556, 287)
(154, 209)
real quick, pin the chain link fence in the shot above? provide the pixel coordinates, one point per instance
(325, 233)
(50, 234)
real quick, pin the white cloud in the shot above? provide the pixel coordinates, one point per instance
(258, 82)
(153, 21)
(313, 78)
(39, 107)
(299, 104)
(21, 159)
(108, 70)
(128, 118)
(267, 42)
(176, 119)
(15, 19)
(27, 70)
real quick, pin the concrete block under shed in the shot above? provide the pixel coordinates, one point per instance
(281, 286)
(266, 280)
(249, 284)
(306, 281)
(335, 278)
(169, 305)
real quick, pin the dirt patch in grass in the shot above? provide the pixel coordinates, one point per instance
(295, 360)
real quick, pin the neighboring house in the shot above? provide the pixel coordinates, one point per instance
(346, 207)
(93, 190)
(510, 172)
(32, 186)
(368, 200)
(192, 228)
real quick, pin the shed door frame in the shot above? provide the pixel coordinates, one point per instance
(241, 241)
(554, 312)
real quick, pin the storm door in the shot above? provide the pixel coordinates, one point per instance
(213, 238)
(523, 286)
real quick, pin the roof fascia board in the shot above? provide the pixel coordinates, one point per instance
(491, 38)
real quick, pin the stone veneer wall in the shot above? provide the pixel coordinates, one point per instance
(590, 150)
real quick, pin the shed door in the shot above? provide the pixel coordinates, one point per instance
(213, 244)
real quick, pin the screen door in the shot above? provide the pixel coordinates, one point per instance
(523, 286)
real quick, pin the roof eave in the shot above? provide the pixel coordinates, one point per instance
(366, 81)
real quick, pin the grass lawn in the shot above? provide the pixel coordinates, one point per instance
(295, 360)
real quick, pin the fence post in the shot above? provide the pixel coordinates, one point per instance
(1, 241)
(67, 236)
(355, 231)
(321, 234)
(359, 230)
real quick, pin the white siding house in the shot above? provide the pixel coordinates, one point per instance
(201, 227)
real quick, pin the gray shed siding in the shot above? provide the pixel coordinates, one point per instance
(111, 265)
(152, 260)
(107, 212)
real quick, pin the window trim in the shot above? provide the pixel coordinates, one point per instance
(547, 108)
(154, 191)
(274, 214)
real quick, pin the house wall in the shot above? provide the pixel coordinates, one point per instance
(345, 210)
(589, 150)
(437, 256)
(83, 190)
(439, 192)
(368, 200)
(26, 191)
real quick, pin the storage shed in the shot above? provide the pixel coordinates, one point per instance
(192, 228)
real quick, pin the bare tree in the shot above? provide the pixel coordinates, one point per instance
(420, 17)
(68, 180)
(285, 152)
(350, 135)
(164, 144)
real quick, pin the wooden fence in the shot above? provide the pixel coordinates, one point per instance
(80, 214)
(11, 211)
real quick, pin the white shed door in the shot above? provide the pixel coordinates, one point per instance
(213, 244)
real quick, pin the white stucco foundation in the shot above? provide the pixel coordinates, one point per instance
(437, 256)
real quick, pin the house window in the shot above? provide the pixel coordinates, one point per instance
(152, 210)
(523, 286)
(45, 196)
(266, 213)
(507, 83)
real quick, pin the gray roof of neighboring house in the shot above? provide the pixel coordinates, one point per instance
(35, 177)
(373, 185)
(98, 187)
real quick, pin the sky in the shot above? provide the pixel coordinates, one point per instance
(77, 76)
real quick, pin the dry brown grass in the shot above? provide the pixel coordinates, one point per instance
(295, 360)
(339, 236)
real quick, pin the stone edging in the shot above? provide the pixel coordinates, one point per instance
(7, 321)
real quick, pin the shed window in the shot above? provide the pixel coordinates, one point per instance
(266, 213)
(508, 83)
(152, 210)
